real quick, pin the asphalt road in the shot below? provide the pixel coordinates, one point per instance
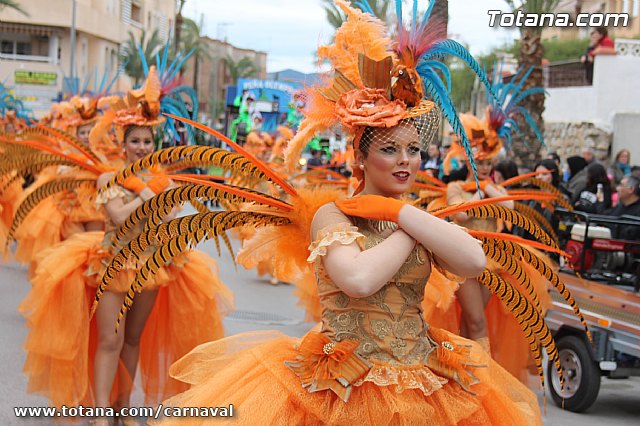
(259, 306)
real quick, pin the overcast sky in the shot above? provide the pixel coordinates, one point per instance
(290, 30)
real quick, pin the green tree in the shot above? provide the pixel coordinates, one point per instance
(131, 56)
(564, 50)
(463, 79)
(243, 68)
(530, 54)
(192, 39)
(11, 4)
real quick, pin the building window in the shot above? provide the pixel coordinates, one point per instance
(136, 12)
(24, 46)
(7, 46)
(111, 7)
(625, 6)
(114, 60)
(635, 8)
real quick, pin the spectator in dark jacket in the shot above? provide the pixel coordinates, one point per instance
(628, 205)
(577, 173)
(585, 199)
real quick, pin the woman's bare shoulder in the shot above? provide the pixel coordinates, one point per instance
(326, 215)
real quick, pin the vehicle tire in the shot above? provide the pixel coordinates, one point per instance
(580, 372)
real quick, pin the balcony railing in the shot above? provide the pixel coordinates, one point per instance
(565, 74)
(26, 58)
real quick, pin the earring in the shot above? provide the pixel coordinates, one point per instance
(361, 166)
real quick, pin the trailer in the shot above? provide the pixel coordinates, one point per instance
(602, 274)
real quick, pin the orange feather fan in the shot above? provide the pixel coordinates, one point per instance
(286, 241)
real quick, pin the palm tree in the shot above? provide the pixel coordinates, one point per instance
(192, 41)
(530, 55)
(336, 17)
(11, 4)
(441, 12)
(131, 54)
(243, 68)
(179, 24)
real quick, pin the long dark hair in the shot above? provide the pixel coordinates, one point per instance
(596, 173)
(507, 168)
(553, 167)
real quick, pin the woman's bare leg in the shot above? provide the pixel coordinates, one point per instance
(109, 346)
(136, 320)
(93, 226)
(474, 324)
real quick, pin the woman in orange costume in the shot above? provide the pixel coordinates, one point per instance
(373, 359)
(472, 296)
(59, 217)
(482, 317)
(86, 362)
(10, 124)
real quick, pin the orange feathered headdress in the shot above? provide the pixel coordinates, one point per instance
(484, 140)
(77, 111)
(11, 118)
(361, 92)
(86, 111)
(140, 107)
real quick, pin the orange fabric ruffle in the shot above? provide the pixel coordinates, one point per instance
(322, 364)
(40, 230)
(61, 341)
(248, 371)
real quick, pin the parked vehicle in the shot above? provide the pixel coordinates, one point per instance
(603, 275)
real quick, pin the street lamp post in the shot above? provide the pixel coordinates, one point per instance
(73, 41)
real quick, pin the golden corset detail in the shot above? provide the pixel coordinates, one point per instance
(382, 338)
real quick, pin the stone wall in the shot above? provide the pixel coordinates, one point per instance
(569, 139)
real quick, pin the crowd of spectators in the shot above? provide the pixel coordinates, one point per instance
(588, 185)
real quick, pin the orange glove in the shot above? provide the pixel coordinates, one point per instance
(159, 183)
(374, 207)
(134, 183)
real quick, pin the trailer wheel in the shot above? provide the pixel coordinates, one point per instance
(580, 372)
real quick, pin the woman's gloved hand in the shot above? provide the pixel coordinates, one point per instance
(373, 207)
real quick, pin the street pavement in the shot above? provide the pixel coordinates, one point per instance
(259, 306)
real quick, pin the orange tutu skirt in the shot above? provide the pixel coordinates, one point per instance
(53, 220)
(248, 371)
(40, 230)
(62, 340)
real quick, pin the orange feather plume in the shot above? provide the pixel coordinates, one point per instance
(277, 179)
(283, 243)
(459, 208)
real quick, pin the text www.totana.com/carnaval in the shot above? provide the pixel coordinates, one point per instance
(154, 412)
